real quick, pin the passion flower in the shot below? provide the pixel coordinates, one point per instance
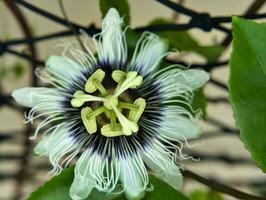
(121, 118)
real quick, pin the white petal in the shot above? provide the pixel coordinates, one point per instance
(112, 45)
(59, 146)
(66, 71)
(93, 171)
(80, 189)
(178, 127)
(30, 96)
(194, 78)
(133, 177)
(149, 51)
(159, 162)
(177, 82)
(50, 141)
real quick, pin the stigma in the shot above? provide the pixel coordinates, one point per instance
(122, 116)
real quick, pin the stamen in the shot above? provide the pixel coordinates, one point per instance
(96, 112)
(100, 87)
(109, 101)
(128, 106)
(89, 122)
(107, 131)
(113, 120)
(131, 81)
(96, 77)
(80, 98)
(134, 115)
(119, 76)
(127, 125)
(111, 106)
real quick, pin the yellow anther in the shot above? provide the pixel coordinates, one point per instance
(89, 122)
(131, 81)
(119, 76)
(107, 131)
(79, 98)
(134, 115)
(96, 78)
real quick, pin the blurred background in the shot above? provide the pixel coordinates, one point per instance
(223, 156)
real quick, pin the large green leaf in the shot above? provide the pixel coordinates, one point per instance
(121, 5)
(163, 191)
(247, 85)
(58, 189)
(183, 41)
(205, 195)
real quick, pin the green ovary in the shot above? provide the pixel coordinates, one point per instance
(110, 105)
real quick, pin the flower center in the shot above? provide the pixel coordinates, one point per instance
(110, 104)
(110, 101)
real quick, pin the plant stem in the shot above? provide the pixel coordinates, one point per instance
(220, 187)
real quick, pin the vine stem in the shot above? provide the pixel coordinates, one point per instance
(253, 8)
(219, 84)
(220, 187)
(196, 18)
(207, 66)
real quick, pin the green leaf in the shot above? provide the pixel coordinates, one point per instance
(58, 188)
(205, 195)
(121, 5)
(199, 102)
(247, 85)
(183, 41)
(96, 195)
(211, 52)
(18, 70)
(132, 38)
(163, 191)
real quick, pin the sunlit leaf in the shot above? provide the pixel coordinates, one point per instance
(247, 85)
(57, 188)
(163, 191)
